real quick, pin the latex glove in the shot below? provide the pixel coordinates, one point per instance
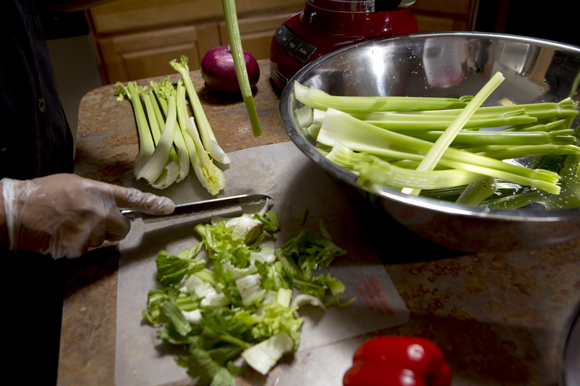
(64, 214)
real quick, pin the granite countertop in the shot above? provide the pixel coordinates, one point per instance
(499, 317)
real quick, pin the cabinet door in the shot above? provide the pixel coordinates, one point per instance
(256, 33)
(445, 15)
(131, 15)
(147, 54)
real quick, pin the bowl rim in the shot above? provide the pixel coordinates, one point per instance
(439, 206)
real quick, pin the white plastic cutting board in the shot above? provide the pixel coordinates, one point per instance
(284, 173)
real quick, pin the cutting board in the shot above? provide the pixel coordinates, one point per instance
(293, 181)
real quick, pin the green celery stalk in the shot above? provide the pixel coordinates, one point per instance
(210, 176)
(513, 152)
(158, 116)
(547, 126)
(566, 108)
(482, 138)
(570, 196)
(478, 191)
(372, 170)
(452, 194)
(544, 182)
(155, 165)
(400, 122)
(207, 135)
(163, 91)
(151, 116)
(513, 202)
(360, 136)
(231, 17)
(318, 99)
(339, 127)
(146, 143)
(444, 141)
(170, 172)
(182, 116)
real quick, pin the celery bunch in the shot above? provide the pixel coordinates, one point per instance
(431, 146)
(170, 141)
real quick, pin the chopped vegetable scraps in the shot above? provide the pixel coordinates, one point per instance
(243, 300)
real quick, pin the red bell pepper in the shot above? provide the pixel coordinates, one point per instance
(398, 361)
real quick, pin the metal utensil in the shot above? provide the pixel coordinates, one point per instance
(199, 207)
(449, 64)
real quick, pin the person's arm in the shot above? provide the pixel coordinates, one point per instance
(62, 215)
(71, 5)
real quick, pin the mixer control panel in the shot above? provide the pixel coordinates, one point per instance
(293, 44)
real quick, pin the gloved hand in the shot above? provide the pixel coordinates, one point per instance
(64, 214)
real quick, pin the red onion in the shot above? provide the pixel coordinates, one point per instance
(218, 70)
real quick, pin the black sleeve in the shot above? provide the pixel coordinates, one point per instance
(35, 139)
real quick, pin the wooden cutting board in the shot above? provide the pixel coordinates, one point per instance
(294, 181)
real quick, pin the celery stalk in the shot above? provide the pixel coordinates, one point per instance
(318, 99)
(393, 121)
(548, 126)
(210, 176)
(513, 152)
(207, 135)
(566, 108)
(231, 17)
(339, 127)
(163, 91)
(160, 120)
(478, 191)
(151, 116)
(170, 172)
(481, 138)
(513, 202)
(570, 196)
(373, 170)
(542, 182)
(182, 117)
(146, 144)
(445, 140)
(361, 136)
(158, 160)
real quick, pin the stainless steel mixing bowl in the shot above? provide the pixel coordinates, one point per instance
(450, 65)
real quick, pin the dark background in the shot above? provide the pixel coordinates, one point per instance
(555, 20)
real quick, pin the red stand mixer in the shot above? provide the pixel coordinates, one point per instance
(328, 25)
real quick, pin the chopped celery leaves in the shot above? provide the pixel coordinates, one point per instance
(239, 302)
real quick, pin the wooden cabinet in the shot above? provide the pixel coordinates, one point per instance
(136, 39)
(147, 54)
(445, 15)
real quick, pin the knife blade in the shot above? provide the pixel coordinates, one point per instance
(199, 208)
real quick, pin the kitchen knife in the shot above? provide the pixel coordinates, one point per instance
(199, 208)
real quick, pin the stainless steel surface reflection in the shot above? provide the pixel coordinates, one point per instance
(450, 65)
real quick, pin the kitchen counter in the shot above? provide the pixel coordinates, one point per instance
(498, 317)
